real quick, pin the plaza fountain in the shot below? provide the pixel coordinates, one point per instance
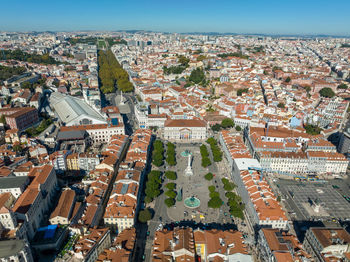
(186, 153)
(192, 202)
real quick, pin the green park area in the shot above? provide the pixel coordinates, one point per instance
(101, 44)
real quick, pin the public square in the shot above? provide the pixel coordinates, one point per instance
(195, 185)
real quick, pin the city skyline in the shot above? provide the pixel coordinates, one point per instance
(253, 17)
(165, 131)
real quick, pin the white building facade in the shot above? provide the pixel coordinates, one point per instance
(185, 130)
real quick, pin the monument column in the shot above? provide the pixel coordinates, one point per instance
(188, 170)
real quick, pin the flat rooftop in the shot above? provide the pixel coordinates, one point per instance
(314, 201)
(10, 247)
(13, 181)
(247, 163)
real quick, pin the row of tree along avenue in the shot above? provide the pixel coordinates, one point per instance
(112, 74)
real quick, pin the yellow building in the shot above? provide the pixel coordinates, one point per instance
(73, 162)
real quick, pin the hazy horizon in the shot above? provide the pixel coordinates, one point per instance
(224, 16)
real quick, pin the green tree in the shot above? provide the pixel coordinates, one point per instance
(205, 156)
(281, 105)
(152, 189)
(217, 154)
(211, 188)
(209, 176)
(157, 160)
(158, 145)
(312, 129)
(170, 175)
(288, 79)
(171, 155)
(307, 89)
(27, 85)
(327, 92)
(238, 128)
(233, 201)
(169, 202)
(111, 73)
(227, 122)
(8, 72)
(201, 58)
(206, 162)
(342, 86)
(229, 187)
(216, 127)
(170, 194)
(153, 185)
(125, 85)
(170, 186)
(236, 54)
(145, 215)
(157, 154)
(173, 70)
(17, 148)
(230, 195)
(188, 84)
(3, 119)
(204, 151)
(237, 212)
(211, 141)
(155, 175)
(31, 58)
(197, 76)
(215, 202)
(214, 194)
(183, 60)
(148, 199)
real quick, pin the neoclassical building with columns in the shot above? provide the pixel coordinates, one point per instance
(185, 130)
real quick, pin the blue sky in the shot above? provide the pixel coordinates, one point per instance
(244, 16)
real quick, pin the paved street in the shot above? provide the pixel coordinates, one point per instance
(124, 107)
(341, 185)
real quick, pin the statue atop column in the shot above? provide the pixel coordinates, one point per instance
(188, 170)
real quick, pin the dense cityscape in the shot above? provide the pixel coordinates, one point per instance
(147, 146)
